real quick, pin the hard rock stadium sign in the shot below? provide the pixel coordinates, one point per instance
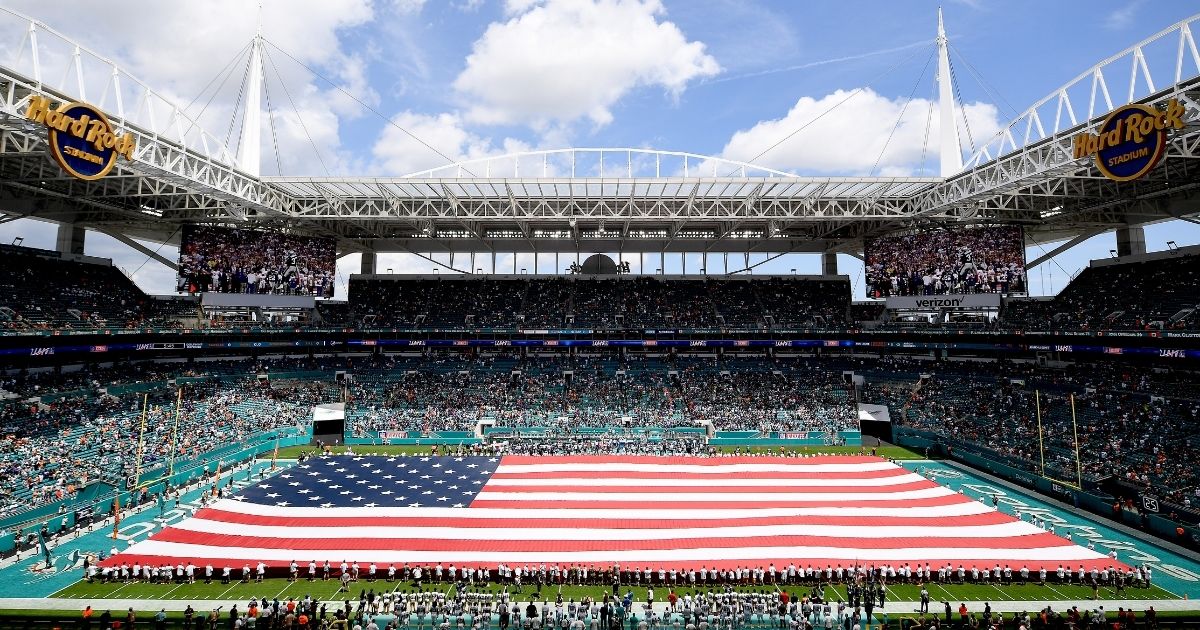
(1131, 141)
(81, 139)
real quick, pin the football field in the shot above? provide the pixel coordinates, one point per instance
(1174, 573)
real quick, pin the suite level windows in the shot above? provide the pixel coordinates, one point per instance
(647, 234)
(552, 233)
(505, 234)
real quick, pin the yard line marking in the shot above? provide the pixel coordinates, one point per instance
(1002, 593)
(235, 583)
(1064, 597)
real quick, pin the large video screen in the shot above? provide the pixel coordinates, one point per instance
(226, 260)
(947, 261)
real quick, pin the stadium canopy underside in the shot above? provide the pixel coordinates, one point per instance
(628, 200)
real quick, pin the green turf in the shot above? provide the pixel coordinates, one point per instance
(292, 452)
(326, 590)
(894, 452)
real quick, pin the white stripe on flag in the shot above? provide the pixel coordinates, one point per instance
(966, 508)
(301, 531)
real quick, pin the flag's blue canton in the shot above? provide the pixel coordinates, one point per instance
(373, 481)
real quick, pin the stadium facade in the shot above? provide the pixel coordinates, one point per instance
(968, 367)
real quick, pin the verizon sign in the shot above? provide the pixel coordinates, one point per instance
(933, 302)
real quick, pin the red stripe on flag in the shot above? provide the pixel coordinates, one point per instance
(171, 534)
(788, 489)
(527, 460)
(636, 474)
(949, 499)
(723, 565)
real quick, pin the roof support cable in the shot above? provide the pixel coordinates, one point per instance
(271, 116)
(295, 110)
(962, 107)
(900, 118)
(236, 106)
(928, 124)
(358, 100)
(991, 91)
(849, 96)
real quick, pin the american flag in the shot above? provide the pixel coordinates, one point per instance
(673, 512)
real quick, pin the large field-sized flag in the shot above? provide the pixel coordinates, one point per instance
(638, 511)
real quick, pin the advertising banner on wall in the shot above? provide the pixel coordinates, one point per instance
(935, 302)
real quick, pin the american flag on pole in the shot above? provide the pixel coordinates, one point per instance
(674, 512)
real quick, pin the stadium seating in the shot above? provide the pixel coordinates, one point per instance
(39, 291)
(42, 291)
(52, 448)
(995, 407)
(1158, 293)
(599, 302)
(78, 432)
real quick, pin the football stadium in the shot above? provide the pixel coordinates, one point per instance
(345, 315)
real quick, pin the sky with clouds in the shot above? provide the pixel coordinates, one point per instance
(396, 86)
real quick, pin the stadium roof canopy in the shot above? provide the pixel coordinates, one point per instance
(624, 199)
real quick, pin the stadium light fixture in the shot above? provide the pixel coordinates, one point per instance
(389, 270)
(17, 240)
(1172, 246)
(1052, 212)
(1112, 253)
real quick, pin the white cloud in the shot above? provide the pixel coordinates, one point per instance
(408, 6)
(1123, 17)
(397, 153)
(561, 60)
(851, 136)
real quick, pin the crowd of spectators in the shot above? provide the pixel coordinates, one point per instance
(52, 450)
(586, 302)
(586, 393)
(41, 292)
(978, 260)
(1159, 294)
(1135, 425)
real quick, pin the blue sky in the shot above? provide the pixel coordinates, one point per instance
(474, 78)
